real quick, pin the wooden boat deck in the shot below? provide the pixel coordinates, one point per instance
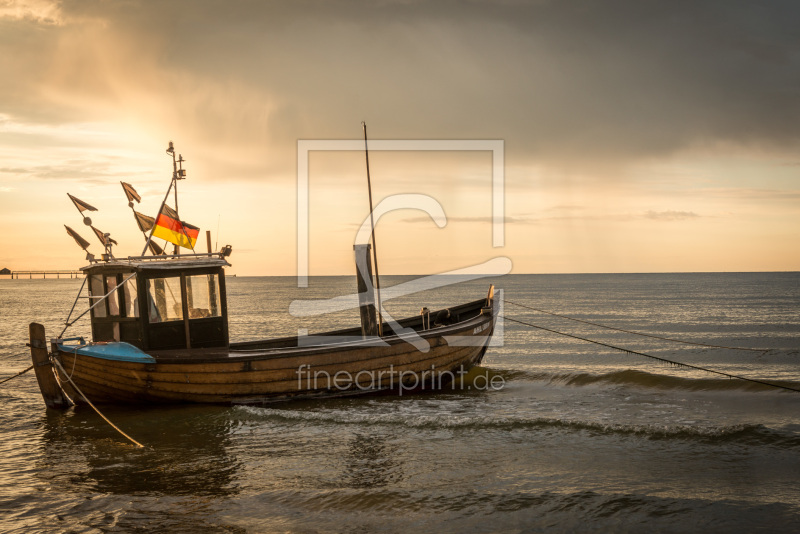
(283, 347)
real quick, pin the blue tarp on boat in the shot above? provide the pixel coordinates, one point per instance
(119, 351)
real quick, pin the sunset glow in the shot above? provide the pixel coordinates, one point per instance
(634, 141)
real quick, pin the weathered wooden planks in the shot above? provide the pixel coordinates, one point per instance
(275, 369)
(52, 393)
(297, 371)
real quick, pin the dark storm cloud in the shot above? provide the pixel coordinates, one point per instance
(566, 81)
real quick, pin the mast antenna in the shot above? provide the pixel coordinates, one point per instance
(374, 244)
(171, 152)
(178, 173)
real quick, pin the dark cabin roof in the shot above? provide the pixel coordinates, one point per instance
(156, 263)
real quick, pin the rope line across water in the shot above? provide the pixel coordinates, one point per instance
(665, 360)
(633, 332)
(16, 375)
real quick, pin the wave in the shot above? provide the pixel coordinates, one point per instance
(747, 433)
(632, 377)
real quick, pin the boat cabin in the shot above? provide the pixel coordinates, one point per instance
(176, 302)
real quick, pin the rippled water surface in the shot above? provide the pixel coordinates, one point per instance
(580, 437)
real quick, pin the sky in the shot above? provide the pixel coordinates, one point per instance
(636, 135)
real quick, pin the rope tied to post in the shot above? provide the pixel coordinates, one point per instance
(115, 427)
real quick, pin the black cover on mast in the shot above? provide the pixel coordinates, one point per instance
(374, 244)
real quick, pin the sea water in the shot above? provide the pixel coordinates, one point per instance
(576, 437)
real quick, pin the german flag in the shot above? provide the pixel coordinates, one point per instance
(175, 231)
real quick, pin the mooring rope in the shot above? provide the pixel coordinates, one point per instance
(16, 375)
(74, 353)
(115, 427)
(665, 360)
(100, 299)
(632, 331)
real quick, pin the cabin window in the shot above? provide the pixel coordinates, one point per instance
(202, 293)
(113, 304)
(96, 290)
(113, 298)
(164, 299)
(131, 298)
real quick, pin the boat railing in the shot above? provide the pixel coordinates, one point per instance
(169, 257)
(157, 259)
(222, 254)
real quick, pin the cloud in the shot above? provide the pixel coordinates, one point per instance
(37, 11)
(666, 215)
(564, 83)
(86, 171)
(482, 220)
(750, 194)
(579, 215)
(670, 215)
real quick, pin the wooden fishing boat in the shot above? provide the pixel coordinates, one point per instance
(162, 337)
(160, 334)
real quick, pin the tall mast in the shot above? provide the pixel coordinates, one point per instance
(172, 182)
(150, 237)
(374, 244)
(175, 177)
(177, 174)
(176, 249)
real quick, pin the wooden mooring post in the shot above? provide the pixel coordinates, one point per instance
(52, 393)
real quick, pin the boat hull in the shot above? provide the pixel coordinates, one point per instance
(419, 360)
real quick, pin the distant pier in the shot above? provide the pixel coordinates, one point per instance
(42, 274)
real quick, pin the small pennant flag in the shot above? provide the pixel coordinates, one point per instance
(80, 204)
(78, 239)
(131, 193)
(145, 223)
(105, 239)
(175, 231)
(155, 249)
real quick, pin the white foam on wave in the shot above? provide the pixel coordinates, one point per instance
(505, 421)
